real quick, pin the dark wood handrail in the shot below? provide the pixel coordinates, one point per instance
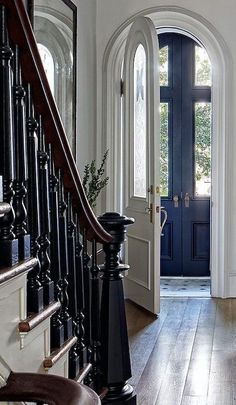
(49, 389)
(21, 33)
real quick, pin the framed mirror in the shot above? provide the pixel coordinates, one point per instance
(55, 27)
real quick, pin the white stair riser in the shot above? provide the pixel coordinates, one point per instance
(24, 351)
(36, 343)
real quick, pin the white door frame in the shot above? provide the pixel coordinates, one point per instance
(191, 24)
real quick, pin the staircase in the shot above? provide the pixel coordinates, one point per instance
(53, 317)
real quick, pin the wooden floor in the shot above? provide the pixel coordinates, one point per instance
(188, 355)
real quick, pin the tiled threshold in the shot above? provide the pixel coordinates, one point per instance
(185, 287)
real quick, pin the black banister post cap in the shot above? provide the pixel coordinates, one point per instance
(109, 220)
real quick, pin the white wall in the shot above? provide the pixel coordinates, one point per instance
(222, 15)
(86, 82)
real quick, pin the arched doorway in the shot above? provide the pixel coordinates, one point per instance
(185, 155)
(192, 25)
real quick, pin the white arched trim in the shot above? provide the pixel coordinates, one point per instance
(192, 24)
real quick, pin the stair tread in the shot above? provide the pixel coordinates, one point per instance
(35, 319)
(4, 208)
(8, 273)
(59, 352)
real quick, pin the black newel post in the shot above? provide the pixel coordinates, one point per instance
(8, 245)
(115, 358)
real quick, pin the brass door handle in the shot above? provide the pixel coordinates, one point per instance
(186, 200)
(149, 211)
(164, 220)
(176, 201)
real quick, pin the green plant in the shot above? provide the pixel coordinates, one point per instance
(94, 180)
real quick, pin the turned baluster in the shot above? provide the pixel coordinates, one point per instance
(115, 359)
(95, 318)
(81, 348)
(65, 316)
(87, 307)
(45, 278)
(72, 292)
(35, 290)
(57, 328)
(8, 245)
(20, 155)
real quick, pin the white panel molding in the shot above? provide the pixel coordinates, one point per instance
(130, 274)
(232, 284)
(42, 329)
(168, 18)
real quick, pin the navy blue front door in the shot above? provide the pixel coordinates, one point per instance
(185, 156)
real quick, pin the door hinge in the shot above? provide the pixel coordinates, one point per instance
(121, 87)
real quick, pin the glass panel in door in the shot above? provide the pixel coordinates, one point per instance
(140, 126)
(202, 148)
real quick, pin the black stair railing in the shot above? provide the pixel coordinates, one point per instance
(54, 212)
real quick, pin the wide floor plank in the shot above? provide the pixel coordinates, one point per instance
(187, 356)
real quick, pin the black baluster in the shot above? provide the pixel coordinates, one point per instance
(57, 328)
(8, 245)
(81, 348)
(45, 277)
(20, 229)
(73, 305)
(87, 312)
(35, 290)
(65, 316)
(115, 359)
(95, 319)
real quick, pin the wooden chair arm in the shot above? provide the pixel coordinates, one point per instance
(48, 389)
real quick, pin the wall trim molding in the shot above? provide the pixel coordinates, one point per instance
(195, 26)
